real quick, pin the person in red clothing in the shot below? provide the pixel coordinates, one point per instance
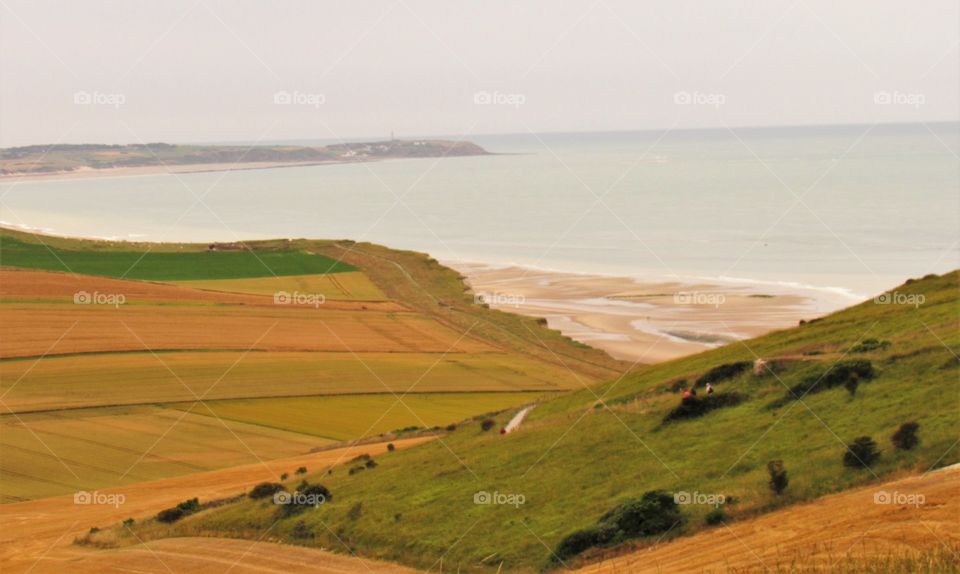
(686, 394)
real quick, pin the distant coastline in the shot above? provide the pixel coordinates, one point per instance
(66, 160)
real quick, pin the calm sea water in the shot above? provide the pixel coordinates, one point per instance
(849, 208)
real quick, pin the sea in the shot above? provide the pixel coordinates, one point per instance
(853, 210)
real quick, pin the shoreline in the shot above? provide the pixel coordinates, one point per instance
(84, 173)
(647, 321)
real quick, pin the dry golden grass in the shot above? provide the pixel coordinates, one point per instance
(36, 329)
(138, 378)
(814, 537)
(350, 286)
(38, 534)
(49, 454)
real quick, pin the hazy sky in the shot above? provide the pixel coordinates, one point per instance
(205, 70)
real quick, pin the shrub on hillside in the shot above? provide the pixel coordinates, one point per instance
(301, 531)
(861, 453)
(391, 447)
(265, 489)
(487, 424)
(654, 513)
(693, 407)
(301, 470)
(906, 436)
(839, 374)
(174, 514)
(716, 516)
(778, 476)
(868, 345)
(577, 542)
(311, 496)
(723, 372)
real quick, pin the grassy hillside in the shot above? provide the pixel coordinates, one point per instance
(582, 454)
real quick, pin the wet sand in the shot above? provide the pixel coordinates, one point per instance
(646, 322)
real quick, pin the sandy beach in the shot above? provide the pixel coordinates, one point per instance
(646, 322)
(89, 173)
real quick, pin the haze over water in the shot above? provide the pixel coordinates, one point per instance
(854, 208)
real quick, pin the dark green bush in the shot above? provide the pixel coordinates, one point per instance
(778, 476)
(575, 543)
(692, 407)
(654, 513)
(861, 453)
(371, 464)
(716, 516)
(305, 498)
(906, 436)
(265, 489)
(391, 447)
(839, 374)
(487, 424)
(302, 470)
(723, 372)
(868, 345)
(301, 531)
(169, 515)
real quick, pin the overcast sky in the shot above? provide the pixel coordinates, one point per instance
(205, 70)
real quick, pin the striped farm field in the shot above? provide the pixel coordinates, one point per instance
(139, 378)
(25, 286)
(353, 416)
(46, 454)
(34, 329)
(348, 286)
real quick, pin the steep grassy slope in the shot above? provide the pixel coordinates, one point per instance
(580, 455)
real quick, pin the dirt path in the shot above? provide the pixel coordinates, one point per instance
(37, 535)
(517, 420)
(820, 532)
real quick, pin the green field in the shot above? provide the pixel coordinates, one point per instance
(578, 456)
(351, 416)
(166, 266)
